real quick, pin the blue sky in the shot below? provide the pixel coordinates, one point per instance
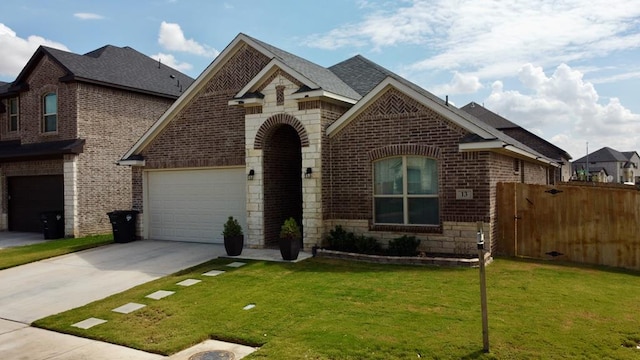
(567, 70)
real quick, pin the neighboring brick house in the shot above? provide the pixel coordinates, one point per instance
(620, 167)
(533, 141)
(263, 135)
(64, 123)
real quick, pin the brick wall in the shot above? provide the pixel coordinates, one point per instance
(207, 132)
(110, 120)
(42, 80)
(397, 125)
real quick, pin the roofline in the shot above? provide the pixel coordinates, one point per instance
(502, 147)
(71, 78)
(390, 82)
(199, 83)
(319, 93)
(269, 69)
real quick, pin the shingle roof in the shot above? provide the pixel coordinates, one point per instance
(364, 75)
(514, 130)
(606, 154)
(14, 150)
(489, 117)
(360, 74)
(121, 67)
(320, 75)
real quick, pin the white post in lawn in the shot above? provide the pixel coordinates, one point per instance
(483, 290)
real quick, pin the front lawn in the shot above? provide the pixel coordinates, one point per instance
(20, 255)
(334, 309)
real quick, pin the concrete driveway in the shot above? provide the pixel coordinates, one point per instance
(12, 239)
(33, 291)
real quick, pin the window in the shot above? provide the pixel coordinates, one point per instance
(406, 191)
(50, 113)
(13, 114)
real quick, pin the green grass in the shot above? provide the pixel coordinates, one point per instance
(29, 253)
(332, 309)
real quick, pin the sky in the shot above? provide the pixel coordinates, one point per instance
(566, 70)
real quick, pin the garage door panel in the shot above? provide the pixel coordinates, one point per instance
(192, 205)
(31, 195)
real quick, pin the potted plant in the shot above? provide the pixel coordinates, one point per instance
(290, 239)
(233, 237)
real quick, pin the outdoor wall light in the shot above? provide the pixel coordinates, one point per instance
(307, 173)
(251, 174)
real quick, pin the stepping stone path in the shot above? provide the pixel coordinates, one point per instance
(188, 282)
(160, 294)
(236, 264)
(213, 273)
(89, 323)
(128, 308)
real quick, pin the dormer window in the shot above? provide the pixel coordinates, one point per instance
(13, 114)
(50, 113)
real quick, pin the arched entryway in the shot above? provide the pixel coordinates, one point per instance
(282, 176)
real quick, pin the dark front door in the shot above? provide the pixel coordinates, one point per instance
(31, 195)
(282, 167)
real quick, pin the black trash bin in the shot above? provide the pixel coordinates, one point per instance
(123, 223)
(52, 224)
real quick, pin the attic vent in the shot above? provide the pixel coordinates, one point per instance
(280, 95)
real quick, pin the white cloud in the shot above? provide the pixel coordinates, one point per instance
(459, 84)
(88, 16)
(172, 38)
(567, 110)
(16, 51)
(493, 38)
(171, 61)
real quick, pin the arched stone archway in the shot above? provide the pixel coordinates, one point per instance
(282, 178)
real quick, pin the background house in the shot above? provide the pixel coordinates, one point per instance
(64, 122)
(262, 135)
(524, 136)
(620, 167)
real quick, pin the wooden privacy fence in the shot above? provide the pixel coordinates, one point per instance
(580, 223)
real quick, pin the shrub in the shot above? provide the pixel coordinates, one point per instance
(404, 246)
(290, 230)
(232, 227)
(367, 245)
(341, 240)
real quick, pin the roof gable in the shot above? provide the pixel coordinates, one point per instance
(113, 66)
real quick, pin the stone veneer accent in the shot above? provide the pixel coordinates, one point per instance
(307, 124)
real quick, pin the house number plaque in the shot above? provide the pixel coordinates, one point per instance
(464, 194)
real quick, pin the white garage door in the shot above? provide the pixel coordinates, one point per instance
(192, 205)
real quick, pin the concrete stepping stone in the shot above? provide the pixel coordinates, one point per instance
(160, 294)
(236, 264)
(188, 282)
(128, 308)
(89, 323)
(213, 273)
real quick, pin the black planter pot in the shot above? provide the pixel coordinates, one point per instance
(289, 248)
(234, 244)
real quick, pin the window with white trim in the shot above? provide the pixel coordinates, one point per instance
(406, 191)
(13, 114)
(50, 113)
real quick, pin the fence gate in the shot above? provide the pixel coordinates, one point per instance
(580, 223)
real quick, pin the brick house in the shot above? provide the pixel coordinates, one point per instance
(64, 123)
(263, 135)
(524, 136)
